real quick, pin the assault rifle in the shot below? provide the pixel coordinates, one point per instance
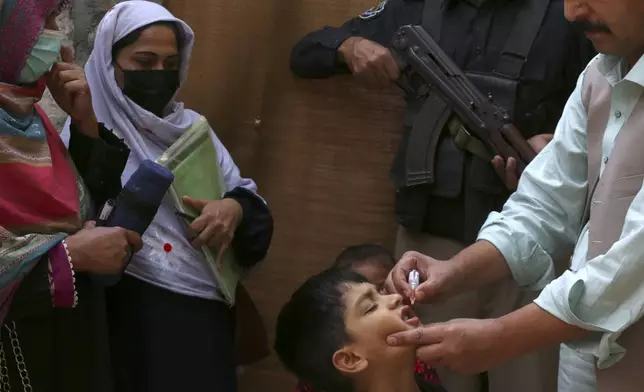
(424, 65)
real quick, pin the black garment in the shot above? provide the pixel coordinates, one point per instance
(66, 350)
(99, 161)
(167, 342)
(473, 33)
(164, 341)
(254, 233)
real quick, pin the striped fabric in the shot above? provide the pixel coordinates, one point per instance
(42, 198)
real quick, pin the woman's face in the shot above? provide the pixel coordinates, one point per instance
(156, 49)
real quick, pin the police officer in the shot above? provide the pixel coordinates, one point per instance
(528, 57)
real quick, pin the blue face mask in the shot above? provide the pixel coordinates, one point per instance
(45, 53)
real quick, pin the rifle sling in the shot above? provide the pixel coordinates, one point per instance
(423, 140)
(517, 47)
(513, 57)
(433, 18)
(466, 142)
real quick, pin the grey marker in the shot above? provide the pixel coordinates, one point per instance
(105, 213)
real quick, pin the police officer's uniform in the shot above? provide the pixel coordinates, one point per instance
(529, 57)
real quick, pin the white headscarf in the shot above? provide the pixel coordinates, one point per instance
(111, 106)
(148, 136)
(145, 134)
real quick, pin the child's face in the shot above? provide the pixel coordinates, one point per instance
(370, 317)
(375, 273)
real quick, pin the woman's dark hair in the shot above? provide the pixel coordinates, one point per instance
(134, 36)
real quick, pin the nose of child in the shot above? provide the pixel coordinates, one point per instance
(394, 301)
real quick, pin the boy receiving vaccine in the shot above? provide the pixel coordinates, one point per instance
(333, 330)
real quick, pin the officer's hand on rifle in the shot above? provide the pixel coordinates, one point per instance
(372, 63)
(508, 171)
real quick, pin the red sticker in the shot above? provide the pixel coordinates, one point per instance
(167, 248)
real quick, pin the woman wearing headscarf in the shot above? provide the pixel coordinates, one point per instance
(170, 328)
(53, 330)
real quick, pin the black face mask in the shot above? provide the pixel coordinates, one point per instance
(151, 89)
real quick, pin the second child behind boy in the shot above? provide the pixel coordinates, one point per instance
(369, 260)
(333, 333)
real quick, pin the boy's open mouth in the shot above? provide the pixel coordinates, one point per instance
(408, 316)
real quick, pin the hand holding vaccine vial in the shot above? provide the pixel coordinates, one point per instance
(413, 280)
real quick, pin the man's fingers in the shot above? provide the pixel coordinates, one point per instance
(372, 72)
(424, 290)
(511, 176)
(393, 72)
(430, 334)
(67, 54)
(512, 164)
(385, 67)
(383, 78)
(134, 240)
(434, 354)
(352, 68)
(507, 171)
(400, 273)
(499, 166)
(412, 253)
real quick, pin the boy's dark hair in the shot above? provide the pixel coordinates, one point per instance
(310, 329)
(358, 254)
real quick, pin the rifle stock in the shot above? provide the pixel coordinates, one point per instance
(424, 64)
(516, 140)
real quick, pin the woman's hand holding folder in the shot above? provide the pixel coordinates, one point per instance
(216, 225)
